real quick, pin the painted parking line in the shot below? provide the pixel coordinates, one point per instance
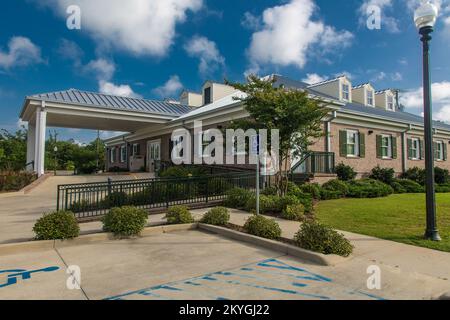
(269, 279)
(12, 276)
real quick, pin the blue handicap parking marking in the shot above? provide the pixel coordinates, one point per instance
(12, 276)
(266, 278)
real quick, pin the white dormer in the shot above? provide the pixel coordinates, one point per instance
(213, 91)
(191, 99)
(385, 99)
(364, 94)
(339, 88)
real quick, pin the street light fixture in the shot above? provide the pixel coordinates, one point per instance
(425, 18)
(55, 149)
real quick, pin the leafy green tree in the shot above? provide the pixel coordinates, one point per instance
(297, 117)
(13, 148)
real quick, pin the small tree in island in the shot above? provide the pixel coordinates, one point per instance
(296, 115)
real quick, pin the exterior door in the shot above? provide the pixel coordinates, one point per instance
(153, 154)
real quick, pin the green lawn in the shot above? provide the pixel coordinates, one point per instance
(398, 218)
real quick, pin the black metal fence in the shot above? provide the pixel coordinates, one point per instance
(96, 199)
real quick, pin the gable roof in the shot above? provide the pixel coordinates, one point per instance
(99, 100)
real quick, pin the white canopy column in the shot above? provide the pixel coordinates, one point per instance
(31, 143)
(39, 149)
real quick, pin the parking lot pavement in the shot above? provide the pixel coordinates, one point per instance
(193, 265)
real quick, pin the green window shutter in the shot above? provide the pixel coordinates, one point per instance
(445, 151)
(343, 143)
(394, 148)
(362, 145)
(422, 150)
(410, 149)
(379, 143)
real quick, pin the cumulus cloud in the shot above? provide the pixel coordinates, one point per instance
(102, 68)
(250, 21)
(413, 99)
(172, 87)
(70, 50)
(207, 52)
(117, 90)
(21, 52)
(312, 78)
(289, 33)
(142, 27)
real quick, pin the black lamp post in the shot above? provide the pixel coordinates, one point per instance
(425, 19)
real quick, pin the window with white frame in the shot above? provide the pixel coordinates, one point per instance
(386, 146)
(345, 92)
(136, 150)
(415, 149)
(112, 154)
(370, 98)
(390, 103)
(352, 143)
(123, 154)
(439, 151)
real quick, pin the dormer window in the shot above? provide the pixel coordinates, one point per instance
(207, 95)
(370, 101)
(390, 103)
(345, 92)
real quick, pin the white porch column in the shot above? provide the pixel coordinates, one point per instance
(36, 140)
(31, 143)
(41, 124)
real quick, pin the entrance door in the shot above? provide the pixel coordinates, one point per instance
(153, 154)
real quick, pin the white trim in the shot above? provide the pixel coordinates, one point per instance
(389, 147)
(351, 132)
(416, 148)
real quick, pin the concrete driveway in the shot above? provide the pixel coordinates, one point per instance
(19, 212)
(193, 265)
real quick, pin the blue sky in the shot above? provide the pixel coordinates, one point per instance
(154, 48)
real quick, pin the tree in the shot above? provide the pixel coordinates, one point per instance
(297, 117)
(13, 148)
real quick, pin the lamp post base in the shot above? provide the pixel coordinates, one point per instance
(433, 235)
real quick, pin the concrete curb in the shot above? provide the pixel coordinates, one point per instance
(23, 247)
(318, 258)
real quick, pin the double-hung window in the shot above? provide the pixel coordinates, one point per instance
(112, 155)
(390, 103)
(346, 92)
(415, 149)
(386, 147)
(439, 151)
(136, 150)
(123, 154)
(352, 143)
(370, 98)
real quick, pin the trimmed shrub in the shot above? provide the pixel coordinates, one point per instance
(319, 238)
(271, 204)
(58, 225)
(313, 189)
(368, 188)
(443, 188)
(398, 188)
(385, 175)
(179, 215)
(217, 216)
(345, 173)
(116, 199)
(237, 198)
(415, 174)
(260, 226)
(336, 185)
(270, 191)
(441, 176)
(330, 195)
(125, 221)
(410, 186)
(294, 212)
(181, 172)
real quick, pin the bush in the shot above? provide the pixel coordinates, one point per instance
(218, 216)
(368, 188)
(441, 176)
(116, 199)
(125, 221)
(410, 186)
(330, 195)
(319, 238)
(398, 188)
(181, 172)
(58, 225)
(415, 174)
(336, 185)
(345, 173)
(263, 227)
(270, 191)
(313, 189)
(443, 188)
(385, 175)
(179, 215)
(294, 212)
(237, 198)
(15, 181)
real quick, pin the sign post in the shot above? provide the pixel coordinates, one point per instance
(256, 151)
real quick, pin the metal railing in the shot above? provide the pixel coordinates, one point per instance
(315, 163)
(96, 199)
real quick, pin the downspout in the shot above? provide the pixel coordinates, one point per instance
(405, 149)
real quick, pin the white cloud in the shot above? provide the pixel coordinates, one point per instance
(102, 68)
(142, 27)
(250, 21)
(312, 78)
(289, 34)
(21, 52)
(70, 50)
(117, 90)
(396, 76)
(172, 87)
(208, 54)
